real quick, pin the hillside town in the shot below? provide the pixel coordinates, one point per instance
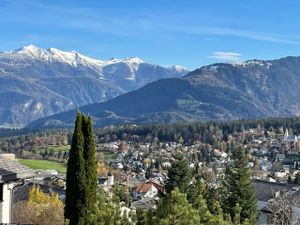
(137, 171)
(149, 112)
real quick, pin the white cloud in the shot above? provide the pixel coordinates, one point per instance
(248, 34)
(226, 56)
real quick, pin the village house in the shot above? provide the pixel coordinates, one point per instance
(12, 175)
(148, 189)
(107, 181)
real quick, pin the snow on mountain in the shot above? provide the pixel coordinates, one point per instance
(71, 57)
(221, 91)
(114, 69)
(37, 82)
(179, 68)
(252, 63)
(53, 54)
(76, 59)
(32, 51)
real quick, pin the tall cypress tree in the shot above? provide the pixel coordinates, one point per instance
(75, 175)
(240, 190)
(81, 174)
(89, 154)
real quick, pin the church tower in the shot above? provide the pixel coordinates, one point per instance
(286, 135)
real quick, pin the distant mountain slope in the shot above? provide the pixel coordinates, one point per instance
(216, 92)
(36, 82)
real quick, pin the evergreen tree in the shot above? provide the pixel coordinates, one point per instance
(141, 217)
(108, 212)
(179, 174)
(219, 218)
(240, 190)
(176, 210)
(81, 184)
(213, 198)
(145, 217)
(75, 180)
(89, 154)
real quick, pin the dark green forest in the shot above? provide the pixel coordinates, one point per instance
(188, 133)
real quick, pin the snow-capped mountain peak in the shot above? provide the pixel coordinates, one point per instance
(179, 69)
(73, 58)
(59, 55)
(253, 62)
(31, 50)
(47, 81)
(76, 59)
(28, 48)
(134, 60)
(53, 54)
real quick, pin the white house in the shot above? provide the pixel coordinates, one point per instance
(147, 189)
(110, 179)
(107, 181)
(11, 175)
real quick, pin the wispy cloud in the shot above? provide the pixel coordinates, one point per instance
(119, 22)
(124, 22)
(254, 35)
(226, 56)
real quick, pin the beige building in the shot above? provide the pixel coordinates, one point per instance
(11, 175)
(297, 146)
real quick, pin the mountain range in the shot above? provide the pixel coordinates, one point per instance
(222, 91)
(37, 82)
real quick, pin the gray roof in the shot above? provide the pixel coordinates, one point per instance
(145, 203)
(265, 190)
(12, 170)
(21, 193)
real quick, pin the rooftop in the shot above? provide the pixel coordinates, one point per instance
(11, 170)
(265, 190)
(144, 187)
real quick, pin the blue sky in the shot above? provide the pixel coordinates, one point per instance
(191, 33)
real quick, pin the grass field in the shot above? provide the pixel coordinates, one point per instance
(43, 164)
(56, 148)
(108, 155)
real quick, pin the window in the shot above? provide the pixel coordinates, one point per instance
(1, 192)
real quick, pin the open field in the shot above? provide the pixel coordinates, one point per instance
(56, 148)
(108, 155)
(43, 164)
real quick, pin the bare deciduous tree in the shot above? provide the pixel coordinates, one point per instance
(25, 214)
(282, 210)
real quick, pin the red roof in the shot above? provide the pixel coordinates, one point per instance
(144, 187)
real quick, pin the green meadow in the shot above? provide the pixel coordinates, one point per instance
(43, 165)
